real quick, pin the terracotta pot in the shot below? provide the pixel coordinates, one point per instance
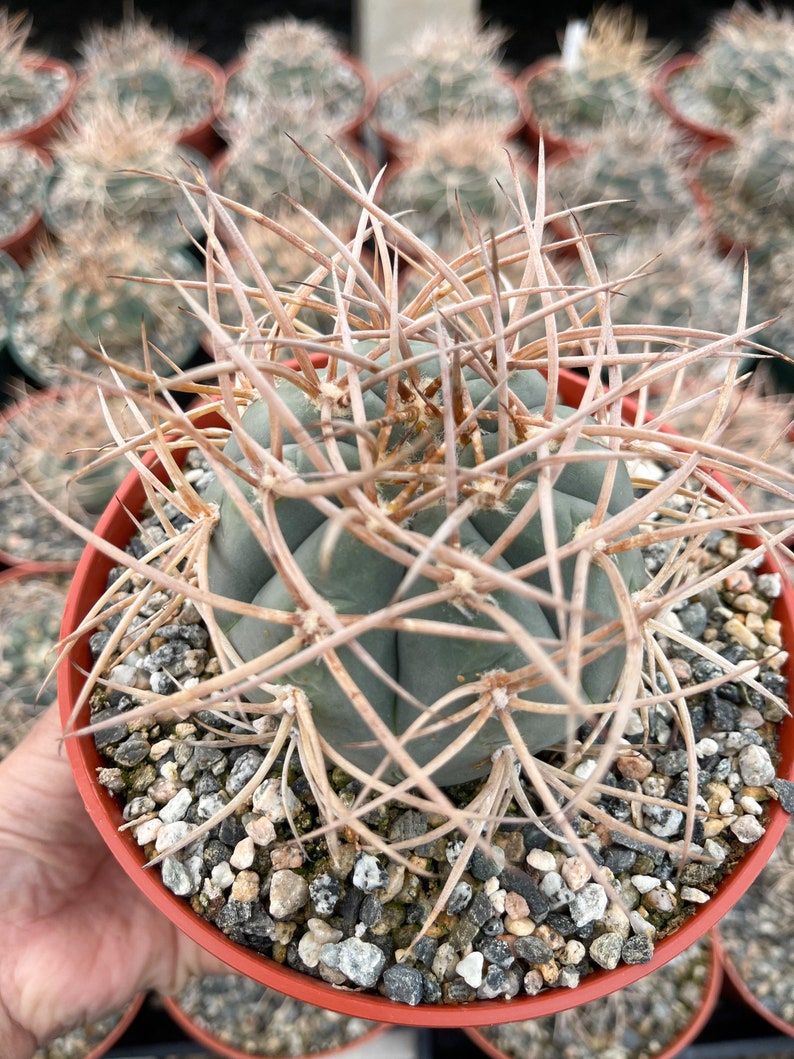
(675, 1046)
(557, 147)
(116, 527)
(398, 147)
(217, 1046)
(740, 986)
(351, 129)
(704, 202)
(42, 130)
(19, 244)
(694, 130)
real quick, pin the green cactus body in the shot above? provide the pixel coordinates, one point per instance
(362, 580)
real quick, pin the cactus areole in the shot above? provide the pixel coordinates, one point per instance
(425, 445)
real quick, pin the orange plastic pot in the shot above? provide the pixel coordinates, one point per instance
(556, 147)
(215, 1045)
(42, 130)
(692, 129)
(703, 200)
(116, 527)
(700, 1017)
(19, 244)
(738, 983)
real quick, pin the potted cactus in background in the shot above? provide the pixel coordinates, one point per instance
(603, 74)
(746, 189)
(745, 62)
(236, 1017)
(637, 168)
(289, 66)
(138, 63)
(35, 90)
(98, 177)
(24, 173)
(263, 167)
(75, 299)
(453, 170)
(450, 72)
(46, 439)
(445, 634)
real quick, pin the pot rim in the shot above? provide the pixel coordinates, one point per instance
(215, 1044)
(746, 993)
(685, 1036)
(39, 131)
(115, 525)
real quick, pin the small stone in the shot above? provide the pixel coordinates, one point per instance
(638, 949)
(644, 883)
(470, 968)
(324, 892)
(747, 829)
(177, 878)
(755, 766)
(243, 854)
(573, 953)
(147, 830)
(222, 875)
(359, 961)
(245, 887)
(288, 894)
(533, 982)
(177, 807)
(459, 898)
(605, 950)
(404, 984)
(261, 830)
(634, 766)
(368, 874)
(693, 895)
(542, 860)
(575, 873)
(533, 950)
(784, 789)
(519, 928)
(515, 906)
(588, 904)
(268, 799)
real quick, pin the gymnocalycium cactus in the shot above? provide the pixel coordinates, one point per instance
(422, 582)
(397, 668)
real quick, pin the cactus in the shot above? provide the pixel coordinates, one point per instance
(429, 587)
(450, 72)
(263, 165)
(70, 305)
(747, 61)
(750, 186)
(458, 166)
(26, 92)
(24, 174)
(640, 165)
(605, 77)
(138, 64)
(289, 66)
(100, 176)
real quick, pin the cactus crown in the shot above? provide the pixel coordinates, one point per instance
(606, 77)
(17, 80)
(100, 175)
(294, 66)
(748, 57)
(416, 564)
(751, 184)
(458, 166)
(640, 165)
(451, 72)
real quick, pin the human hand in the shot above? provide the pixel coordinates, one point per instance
(79, 940)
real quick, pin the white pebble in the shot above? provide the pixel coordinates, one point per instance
(243, 854)
(693, 895)
(644, 883)
(470, 969)
(542, 860)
